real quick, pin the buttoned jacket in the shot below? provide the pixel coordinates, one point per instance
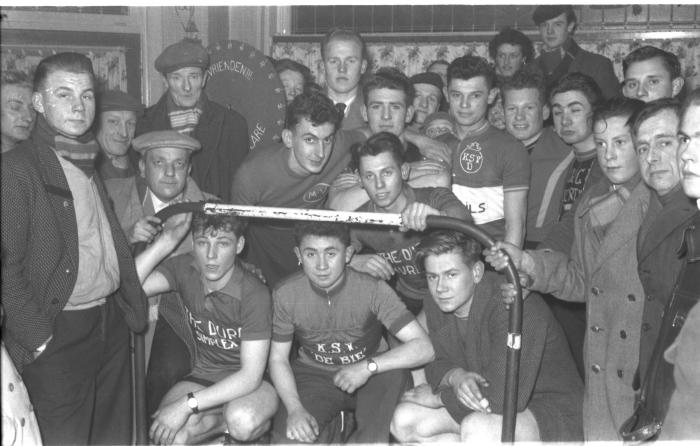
(603, 273)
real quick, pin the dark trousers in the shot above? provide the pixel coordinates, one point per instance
(169, 363)
(572, 317)
(373, 403)
(80, 385)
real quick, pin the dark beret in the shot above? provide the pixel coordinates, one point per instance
(546, 12)
(185, 53)
(164, 139)
(117, 100)
(427, 78)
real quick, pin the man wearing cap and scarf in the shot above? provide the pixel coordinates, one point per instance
(69, 284)
(163, 179)
(560, 54)
(115, 131)
(187, 109)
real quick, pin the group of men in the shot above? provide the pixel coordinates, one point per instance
(266, 330)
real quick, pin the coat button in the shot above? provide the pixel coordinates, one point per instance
(596, 291)
(11, 387)
(631, 297)
(595, 368)
(623, 334)
(66, 203)
(646, 326)
(21, 421)
(619, 373)
(67, 271)
(596, 329)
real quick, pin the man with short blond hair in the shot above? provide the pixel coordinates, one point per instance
(16, 110)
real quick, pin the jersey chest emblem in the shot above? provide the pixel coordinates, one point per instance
(317, 193)
(471, 158)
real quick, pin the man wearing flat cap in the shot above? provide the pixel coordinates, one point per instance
(116, 125)
(185, 108)
(427, 97)
(560, 54)
(163, 179)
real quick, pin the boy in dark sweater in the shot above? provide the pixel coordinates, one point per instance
(468, 326)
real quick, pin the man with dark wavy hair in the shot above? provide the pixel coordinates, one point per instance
(510, 50)
(651, 73)
(296, 174)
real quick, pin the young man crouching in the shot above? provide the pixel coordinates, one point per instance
(468, 326)
(226, 312)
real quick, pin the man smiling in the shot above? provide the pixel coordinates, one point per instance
(16, 109)
(115, 131)
(490, 168)
(297, 174)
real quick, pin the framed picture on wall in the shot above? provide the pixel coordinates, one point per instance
(115, 57)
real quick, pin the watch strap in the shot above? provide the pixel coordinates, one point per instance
(192, 402)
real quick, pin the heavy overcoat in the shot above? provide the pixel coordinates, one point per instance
(603, 273)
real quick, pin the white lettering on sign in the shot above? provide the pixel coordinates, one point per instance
(231, 65)
(256, 135)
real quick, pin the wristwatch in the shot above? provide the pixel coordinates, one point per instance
(372, 366)
(192, 403)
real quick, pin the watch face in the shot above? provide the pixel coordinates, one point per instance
(372, 366)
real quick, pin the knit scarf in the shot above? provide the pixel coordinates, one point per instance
(184, 119)
(80, 151)
(604, 209)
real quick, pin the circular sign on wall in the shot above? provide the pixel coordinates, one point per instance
(243, 79)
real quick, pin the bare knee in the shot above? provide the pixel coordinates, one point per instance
(403, 422)
(487, 427)
(481, 427)
(243, 423)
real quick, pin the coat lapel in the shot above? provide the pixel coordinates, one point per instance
(625, 226)
(678, 214)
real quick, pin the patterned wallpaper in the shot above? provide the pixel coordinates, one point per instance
(414, 58)
(109, 63)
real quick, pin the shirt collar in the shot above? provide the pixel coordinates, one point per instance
(232, 287)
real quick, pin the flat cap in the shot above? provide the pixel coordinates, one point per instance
(546, 12)
(164, 139)
(185, 53)
(117, 100)
(427, 78)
